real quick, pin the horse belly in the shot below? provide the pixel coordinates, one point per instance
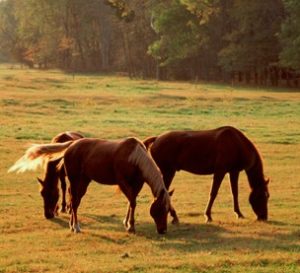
(196, 168)
(103, 174)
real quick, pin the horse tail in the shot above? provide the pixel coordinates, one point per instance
(149, 141)
(36, 156)
(140, 157)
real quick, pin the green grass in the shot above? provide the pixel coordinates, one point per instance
(36, 105)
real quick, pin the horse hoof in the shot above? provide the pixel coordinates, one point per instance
(131, 230)
(125, 223)
(76, 230)
(208, 219)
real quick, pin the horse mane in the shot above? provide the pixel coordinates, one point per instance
(37, 155)
(140, 157)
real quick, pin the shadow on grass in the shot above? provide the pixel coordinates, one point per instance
(193, 237)
(91, 221)
(60, 221)
(213, 238)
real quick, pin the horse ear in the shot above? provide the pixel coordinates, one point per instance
(267, 181)
(40, 181)
(171, 192)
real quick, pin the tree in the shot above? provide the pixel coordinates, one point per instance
(290, 35)
(171, 39)
(11, 44)
(190, 36)
(253, 43)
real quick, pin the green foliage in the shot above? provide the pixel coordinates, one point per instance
(191, 35)
(252, 41)
(10, 42)
(290, 35)
(122, 9)
(180, 39)
(176, 27)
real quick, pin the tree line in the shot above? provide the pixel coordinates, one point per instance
(213, 40)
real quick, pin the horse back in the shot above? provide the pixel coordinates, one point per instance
(100, 160)
(203, 152)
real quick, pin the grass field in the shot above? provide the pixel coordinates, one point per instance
(36, 105)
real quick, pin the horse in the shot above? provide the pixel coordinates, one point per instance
(217, 151)
(125, 163)
(52, 174)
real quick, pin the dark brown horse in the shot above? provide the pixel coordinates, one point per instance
(53, 173)
(219, 151)
(125, 163)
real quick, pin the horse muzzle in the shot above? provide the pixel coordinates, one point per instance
(49, 215)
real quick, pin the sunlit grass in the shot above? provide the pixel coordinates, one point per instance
(36, 105)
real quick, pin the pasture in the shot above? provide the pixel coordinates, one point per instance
(36, 105)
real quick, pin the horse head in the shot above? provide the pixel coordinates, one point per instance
(259, 201)
(159, 211)
(50, 196)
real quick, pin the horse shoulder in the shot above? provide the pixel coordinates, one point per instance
(237, 147)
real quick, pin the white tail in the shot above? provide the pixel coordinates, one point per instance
(37, 155)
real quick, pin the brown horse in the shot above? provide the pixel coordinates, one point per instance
(53, 173)
(219, 151)
(125, 163)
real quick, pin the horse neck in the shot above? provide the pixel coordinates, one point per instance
(155, 181)
(51, 176)
(255, 174)
(149, 169)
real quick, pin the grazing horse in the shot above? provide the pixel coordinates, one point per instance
(125, 163)
(219, 151)
(52, 173)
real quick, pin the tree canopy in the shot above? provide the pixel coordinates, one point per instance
(220, 40)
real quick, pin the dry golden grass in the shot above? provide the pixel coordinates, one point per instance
(36, 105)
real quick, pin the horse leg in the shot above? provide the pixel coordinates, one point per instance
(131, 227)
(129, 219)
(78, 189)
(234, 177)
(63, 184)
(125, 221)
(168, 177)
(217, 179)
(69, 207)
(131, 195)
